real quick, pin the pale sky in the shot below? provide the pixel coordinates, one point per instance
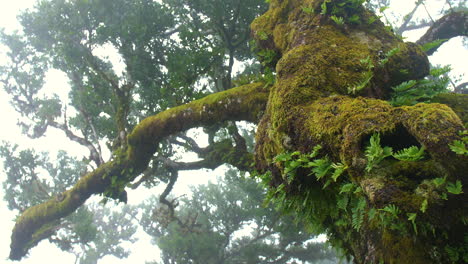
(453, 53)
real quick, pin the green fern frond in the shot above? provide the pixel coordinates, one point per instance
(375, 153)
(412, 153)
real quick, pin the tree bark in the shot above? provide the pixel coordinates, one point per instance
(332, 79)
(395, 212)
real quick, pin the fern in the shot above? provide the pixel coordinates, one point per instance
(438, 181)
(423, 207)
(348, 187)
(413, 92)
(392, 210)
(455, 188)
(358, 214)
(412, 218)
(342, 202)
(321, 167)
(337, 20)
(388, 55)
(339, 169)
(412, 153)
(459, 147)
(375, 153)
(432, 45)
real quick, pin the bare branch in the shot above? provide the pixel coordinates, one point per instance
(407, 19)
(94, 155)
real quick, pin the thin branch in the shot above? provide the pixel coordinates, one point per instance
(407, 19)
(94, 153)
(427, 12)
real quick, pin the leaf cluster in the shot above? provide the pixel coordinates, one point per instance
(459, 146)
(343, 11)
(375, 153)
(416, 91)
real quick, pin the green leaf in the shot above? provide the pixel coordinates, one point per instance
(412, 218)
(423, 207)
(282, 157)
(456, 188)
(324, 7)
(375, 153)
(438, 181)
(342, 202)
(372, 213)
(432, 45)
(337, 20)
(459, 147)
(321, 167)
(404, 86)
(339, 169)
(391, 209)
(347, 188)
(262, 35)
(412, 153)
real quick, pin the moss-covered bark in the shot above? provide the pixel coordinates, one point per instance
(330, 78)
(38, 222)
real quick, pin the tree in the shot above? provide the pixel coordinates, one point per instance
(384, 181)
(226, 223)
(32, 179)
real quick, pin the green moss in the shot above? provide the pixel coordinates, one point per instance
(241, 103)
(403, 249)
(458, 103)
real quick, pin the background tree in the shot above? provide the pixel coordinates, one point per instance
(177, 51)
(225, 222)
(90, 233)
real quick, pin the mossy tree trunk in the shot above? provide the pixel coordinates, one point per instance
(332, 79)
(335, 69)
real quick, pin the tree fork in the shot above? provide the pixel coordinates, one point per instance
(242, 103)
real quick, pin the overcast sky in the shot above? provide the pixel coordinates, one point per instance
(453, 53)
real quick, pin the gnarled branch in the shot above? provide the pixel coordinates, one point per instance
(242, 103)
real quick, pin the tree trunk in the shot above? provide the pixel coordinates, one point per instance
(335, 64)
(332, 78)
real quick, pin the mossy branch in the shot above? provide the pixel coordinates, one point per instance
(449, 26)
(242, 103)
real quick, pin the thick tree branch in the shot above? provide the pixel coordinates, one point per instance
(449, 26)
(241, 103)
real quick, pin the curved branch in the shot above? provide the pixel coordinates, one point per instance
(94, 153)
(449, 26)
(242, 103)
